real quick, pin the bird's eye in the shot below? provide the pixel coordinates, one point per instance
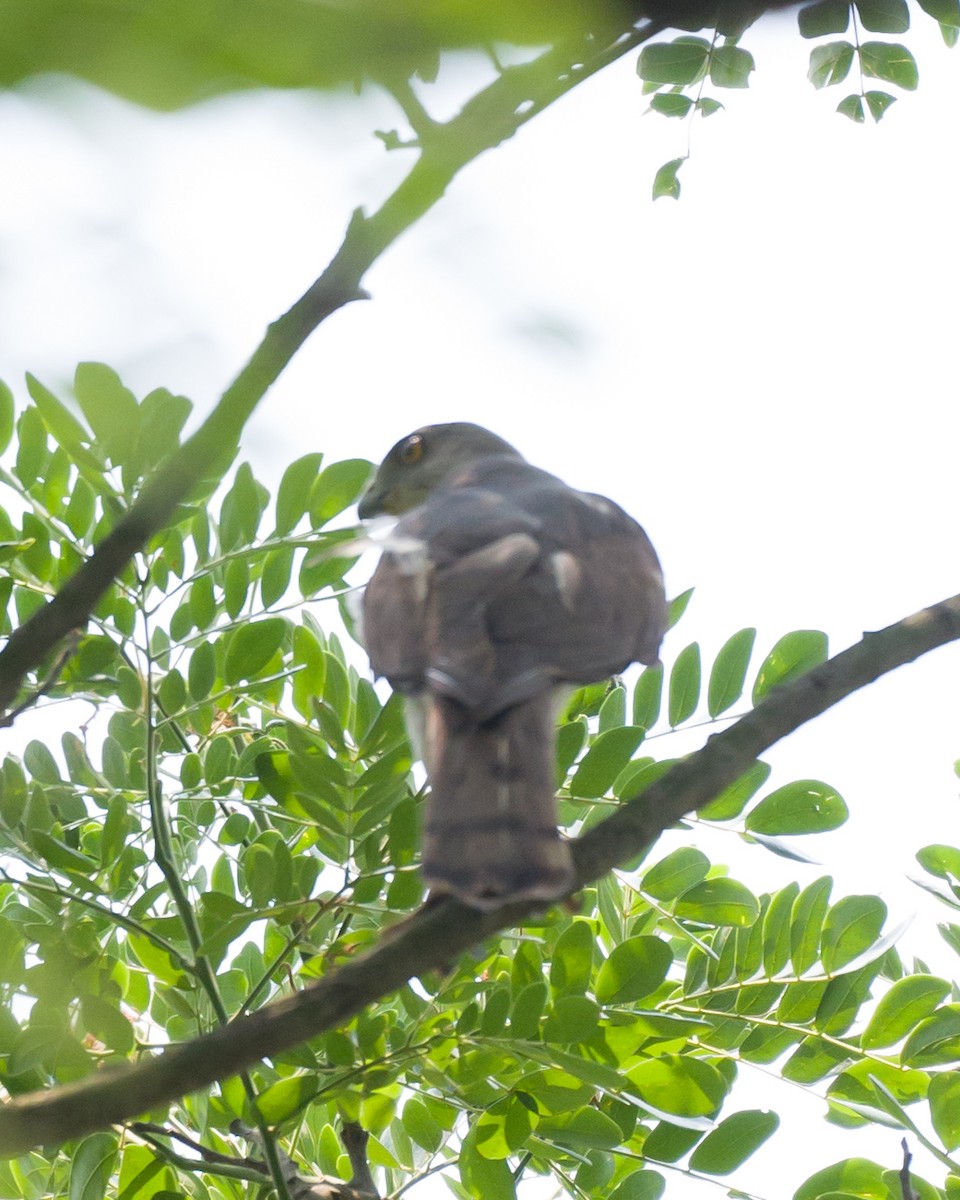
(412, 450)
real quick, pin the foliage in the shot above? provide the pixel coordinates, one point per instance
(230, 812)
(677, 72)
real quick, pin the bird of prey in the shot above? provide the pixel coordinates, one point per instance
(498, 586)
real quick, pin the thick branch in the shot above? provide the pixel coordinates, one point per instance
(489, 118)
(439, 933)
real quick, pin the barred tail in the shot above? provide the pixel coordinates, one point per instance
(491, 825)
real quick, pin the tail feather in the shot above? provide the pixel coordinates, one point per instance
(491, 824)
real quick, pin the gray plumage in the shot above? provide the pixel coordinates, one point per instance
(499, 589)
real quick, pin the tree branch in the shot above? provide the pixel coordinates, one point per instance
(438, 933)
(906, 1187)
(486, 120)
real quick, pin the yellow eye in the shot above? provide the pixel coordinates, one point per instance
(412, 450)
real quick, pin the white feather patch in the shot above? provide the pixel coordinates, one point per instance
(566, 573)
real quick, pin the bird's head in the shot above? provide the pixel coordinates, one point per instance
(424, 461)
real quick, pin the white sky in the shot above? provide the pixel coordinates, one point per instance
(765, 374)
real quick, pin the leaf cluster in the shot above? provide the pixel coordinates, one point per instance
(236, 816)
(677, 72)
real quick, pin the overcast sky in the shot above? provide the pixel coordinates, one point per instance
(764, 373)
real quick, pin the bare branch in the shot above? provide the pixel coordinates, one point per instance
(906, 1187)
(443, 930)
(47, 685)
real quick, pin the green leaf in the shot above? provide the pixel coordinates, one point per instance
(527, 1010)
(681, 870)
(684, 685)
(81, 508)
(646, 697)
(730, 67)
(720, 901)
(604, 761)
(678, 606)
(495, 1010)
(852, 106)
(733, 1141)
(804, 806)
(671, 104)
(293, 494)
(484, 1177)
(162, 417)
(572, 960)
(91, 1165)
(944, 1100)
(613, 711)
(63, 425)
(830, 64)
(110, 409)
(32, 450)
(337, 487)
(309, 681)
(571, 738)
(597, 1075)
(665, 182)
(203, 605)
(679, 1085)
(947, 12)
(107, 1023)
(935, 1041)
(321, 568)
(732, 800)
(683, 60)
(891, 62)
(202, 670)
(61, 856)
(814, 1060)
(852, 925)
(908, 1002)
(884, 16)
(806, 923)
(793, 655)
(585, 1129)
(40, 762)
(286, 1097)
(829, 16)
(7, 416)
(260, 876)
(856, 1085)
(573, 1019)
(252, 646)
(640, 1185)
(241, 510)
(635, 969)
(557, 1091)
(878, 103)
(421, 1126)
(236, 583)
(853, 1177)
(668, 1143)
(729, 671)
(139, 1167)
(941, 861)
(776, 929)
(299, 47)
